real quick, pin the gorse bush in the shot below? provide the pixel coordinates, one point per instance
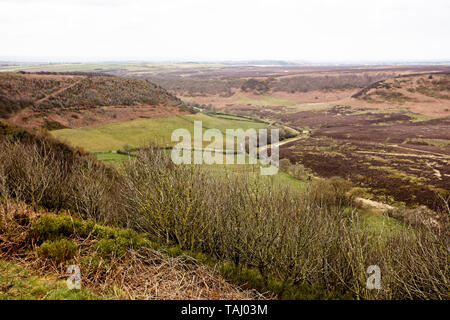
(51, 231)
(58, 251)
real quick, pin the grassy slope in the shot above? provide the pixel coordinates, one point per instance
(111, 137)
(138, 132)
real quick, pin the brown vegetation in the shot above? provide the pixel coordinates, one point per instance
(74, 100)
(307, 244)
(140, 272)
(388, 173)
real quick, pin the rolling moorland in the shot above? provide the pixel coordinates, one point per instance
(141, 227)
(79, 100)
(389, 137)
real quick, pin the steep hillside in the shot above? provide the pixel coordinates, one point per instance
(78, 100)
(422, 93)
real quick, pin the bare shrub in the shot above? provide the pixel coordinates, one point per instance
(312, 237)
(29, 171)
(37, 173)
(92, 190)
(330, 192)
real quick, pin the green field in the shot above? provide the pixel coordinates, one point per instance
(112, 158)
(265, 101)
(140, 132)
(106, 139)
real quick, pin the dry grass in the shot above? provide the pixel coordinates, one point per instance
(140, 274)
(150, 274)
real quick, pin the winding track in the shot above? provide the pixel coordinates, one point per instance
(53, 94)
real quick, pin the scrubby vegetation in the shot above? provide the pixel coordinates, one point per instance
(435, 85)
(43, 92)
(308, 83)
(108, 91)
(312, 237)
(193, 86)
(297, 244)
(114, 263)
(256, 86)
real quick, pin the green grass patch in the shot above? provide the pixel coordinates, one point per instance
(139, 132)
(19, 283)
(265, 101)
(431, 142)
(112, 158)
(377, 224)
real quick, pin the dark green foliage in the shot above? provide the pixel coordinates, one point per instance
(52, 227)
(58, 250)
(253, 279)
(111, 242)
(256, 86)
(53, 125)
(120, 243)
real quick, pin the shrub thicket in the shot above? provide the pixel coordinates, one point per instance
(312, 237)
(299, 238)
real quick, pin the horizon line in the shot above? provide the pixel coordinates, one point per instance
(275, 61)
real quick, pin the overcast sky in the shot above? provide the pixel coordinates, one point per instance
(313, 30)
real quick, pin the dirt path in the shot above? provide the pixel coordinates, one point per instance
(283, 142)
(57, 92)
(418, 150)
(375, 206)
(431, 156)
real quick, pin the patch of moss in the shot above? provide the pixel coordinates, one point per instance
(111, 241)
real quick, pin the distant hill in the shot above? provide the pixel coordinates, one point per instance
(57, 100)
(425, 90)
